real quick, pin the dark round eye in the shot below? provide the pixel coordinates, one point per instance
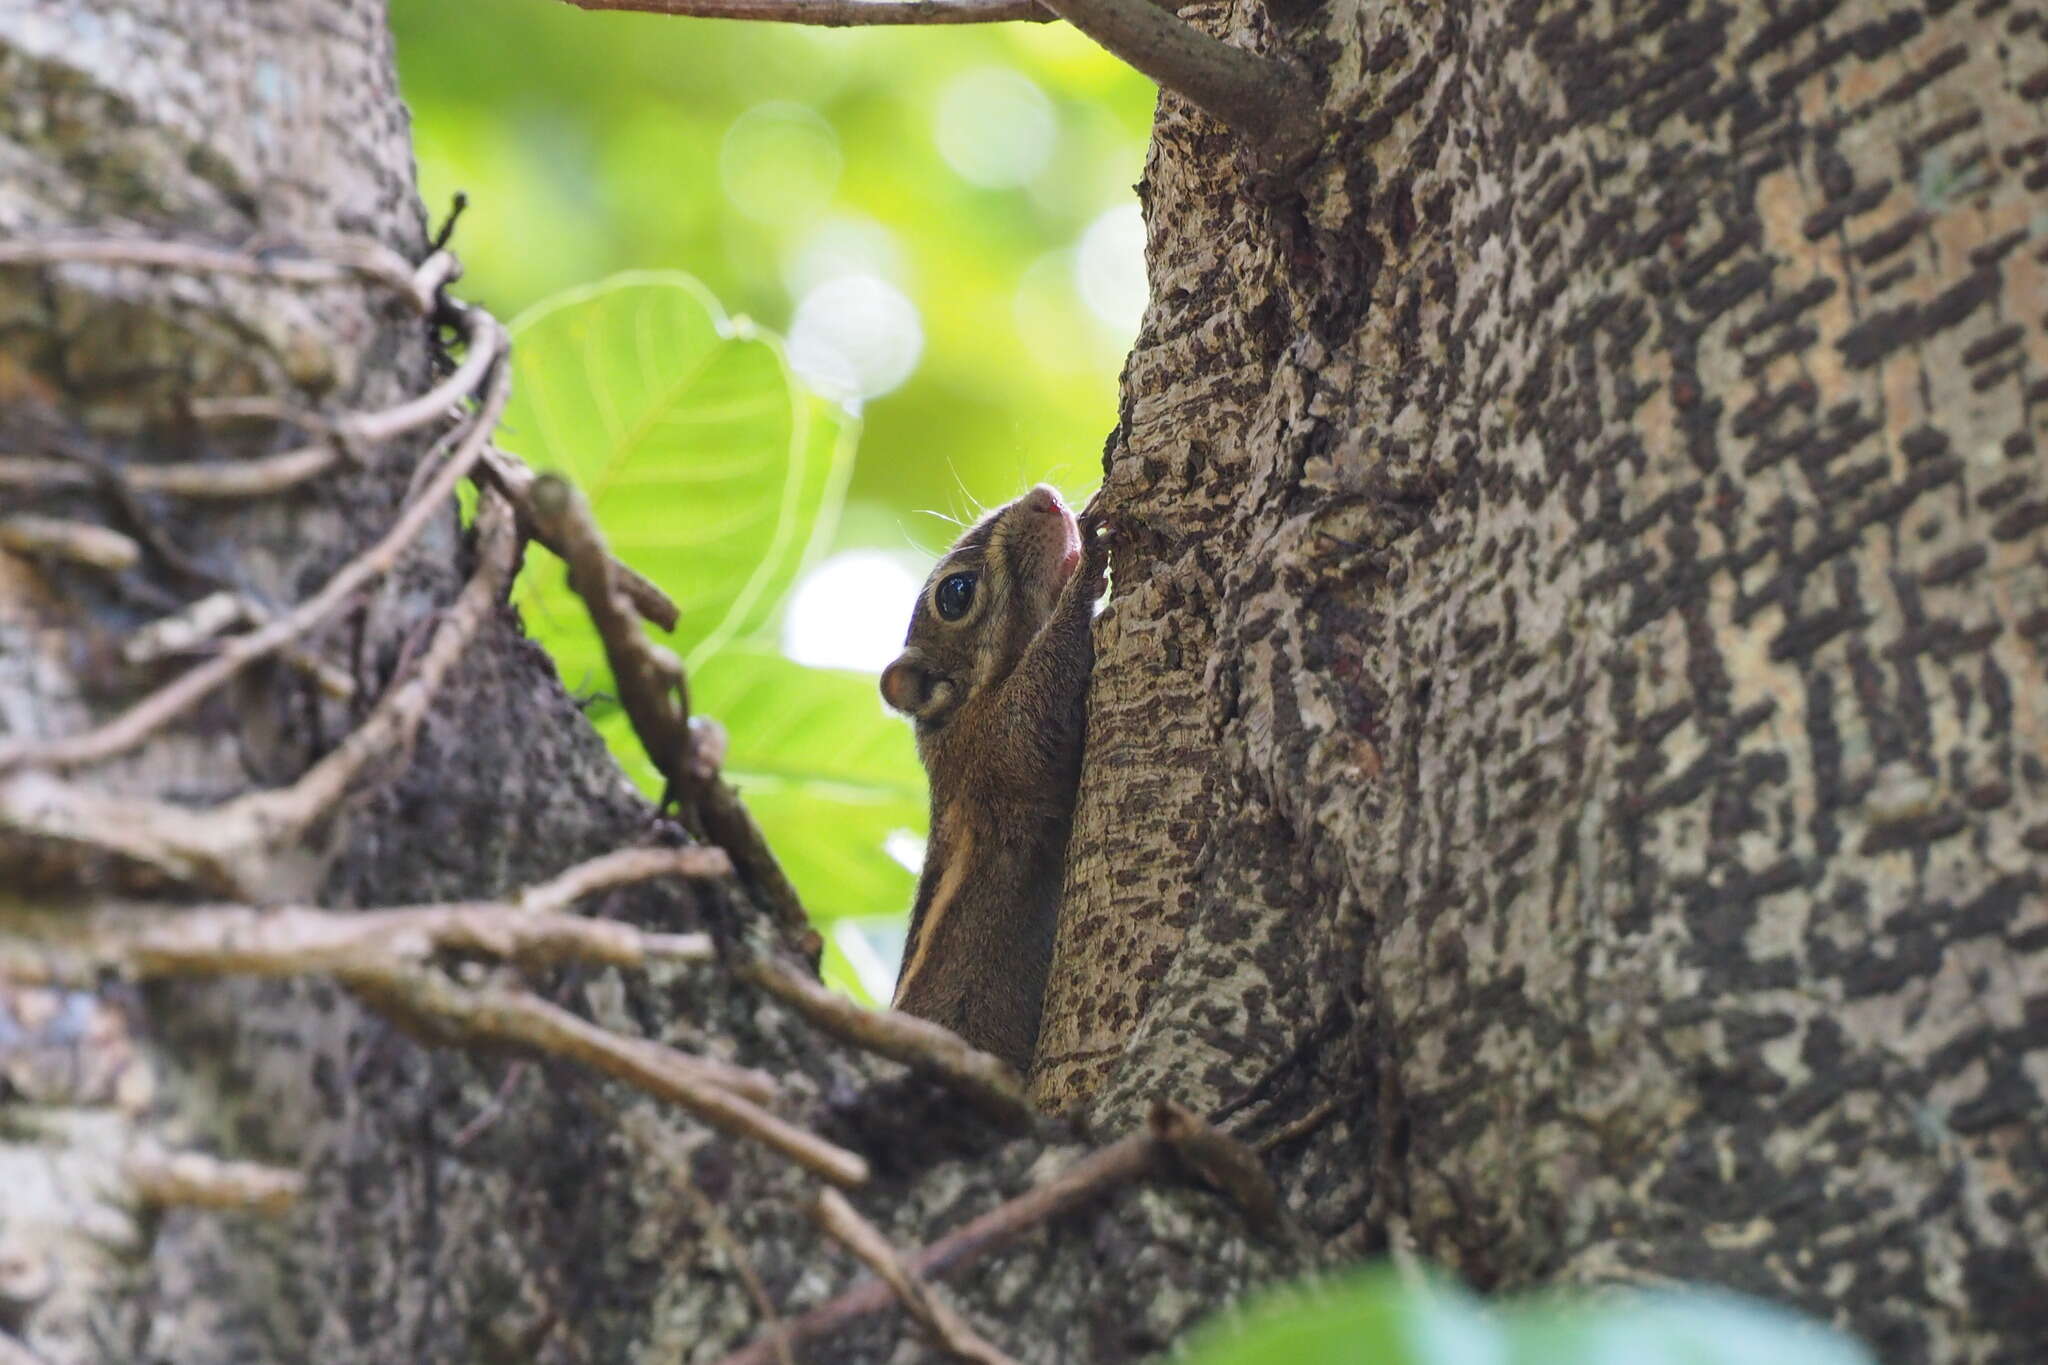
(955, 596)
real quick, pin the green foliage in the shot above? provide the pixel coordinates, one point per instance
(1377, 1318)
(714, 471)
(754, 156)
(764, 159)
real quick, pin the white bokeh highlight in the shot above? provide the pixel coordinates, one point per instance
(1110, 269)
(779, 163)
(855, 337)
(994, 127)
(851, 611)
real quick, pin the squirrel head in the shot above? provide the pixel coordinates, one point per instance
(981, 606)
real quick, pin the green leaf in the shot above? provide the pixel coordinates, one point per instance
(815, 726)
(1677, 1327)
(1370, 1318)
(827, 773)
(1375, 1316)
(710, 467)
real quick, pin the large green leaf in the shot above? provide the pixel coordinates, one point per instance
(825, 771)
(1375, 1316)
(710, 467)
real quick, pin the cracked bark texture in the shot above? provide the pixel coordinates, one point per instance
(1567, 756)
(1577, 689)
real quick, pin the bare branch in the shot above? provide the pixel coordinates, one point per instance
(218, 479)
(133, 726)
(652, 692)
(1089, 1178)
(695, 1085)
(80, 542)
(1219, 1159)
(621, 867)
(838, 13)
(1269, 104)
(510, 475)
(342, 259)
(949, 1330)
(273, 819)
(195, 1180)
(46, 948)
(923, 1046)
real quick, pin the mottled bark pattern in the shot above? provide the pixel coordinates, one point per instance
(1604, 532)
(458, 1207)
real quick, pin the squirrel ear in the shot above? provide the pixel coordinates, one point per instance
(905, 683)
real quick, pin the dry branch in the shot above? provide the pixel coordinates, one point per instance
(221, 479)
(654, 695)
(699, 1087)
(1220, 1160)
(1089, 1178)
(949, 1330)
(511, 476)
(47, 947)
(341, 259)
(838, 13)
(923, 1046)
(1263, 100)
(194, 1180)
(80, 542)
(138, 722)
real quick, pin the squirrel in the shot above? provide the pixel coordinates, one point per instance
(994, 677)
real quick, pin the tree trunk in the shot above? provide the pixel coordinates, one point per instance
(1566, 768)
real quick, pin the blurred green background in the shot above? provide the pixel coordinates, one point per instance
(985, 172)
(940, 223)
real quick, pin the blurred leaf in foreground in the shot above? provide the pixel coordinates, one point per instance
(1375, 1317)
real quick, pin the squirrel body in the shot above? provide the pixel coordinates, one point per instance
(994, 675)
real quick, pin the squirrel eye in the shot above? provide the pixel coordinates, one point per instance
(955, 596)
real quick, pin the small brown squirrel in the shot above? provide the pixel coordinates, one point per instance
(995, 676)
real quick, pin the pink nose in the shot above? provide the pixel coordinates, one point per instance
(1044, 498)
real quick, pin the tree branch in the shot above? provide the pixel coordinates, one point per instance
(949, 1330)
(1089, 1178)
(168, 1179)
(655, 696)
(486, 342)
(982, 1077)
(1264, 101)
(838, 13)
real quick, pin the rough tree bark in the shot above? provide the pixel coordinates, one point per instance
(1567, 763)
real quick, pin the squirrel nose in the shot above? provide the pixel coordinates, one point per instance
(1044, 498)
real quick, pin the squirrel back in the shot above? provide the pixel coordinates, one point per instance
(994, 675)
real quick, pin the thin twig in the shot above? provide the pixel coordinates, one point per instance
(838, 13)
(621, 867)
(138, 722)
(1089, 1178)
(204, 619)
(344, 258)
(923, 1046)
(1266, 102)
(950, 1332)
(80, 542)
(511, 476)
(169, 1179)
(238, 940)
(533, 926)
(276, 818)
(695, 1085)
(653, 692)
(213, 479)
(1221, 1161)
